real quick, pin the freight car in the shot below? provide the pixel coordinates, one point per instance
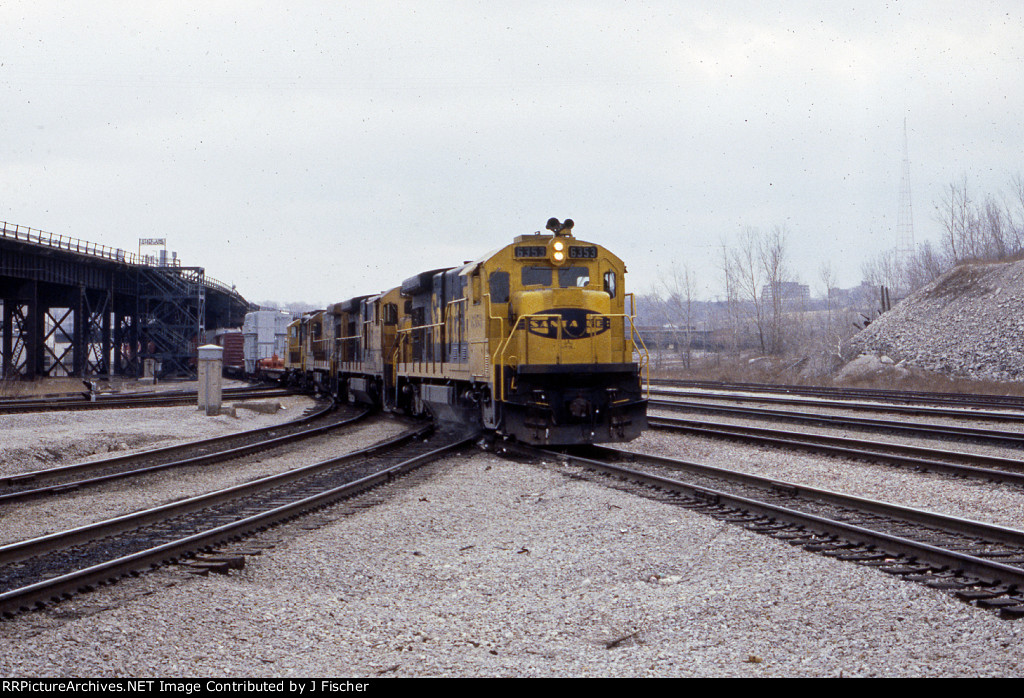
(264, 334)
(533, 341)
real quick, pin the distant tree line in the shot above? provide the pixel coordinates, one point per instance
(759, 314)
(985, 229)
(764, 310)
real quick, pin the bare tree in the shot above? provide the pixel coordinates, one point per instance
(882, 269)
(992, 221)
(728, 269)
(772, 253)
(1015, 213)
(923, 267)
(758, 270)
(827, 276)
(748, 278)
(680, 288)
(953, 212)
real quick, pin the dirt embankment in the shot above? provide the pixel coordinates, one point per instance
(969, 323)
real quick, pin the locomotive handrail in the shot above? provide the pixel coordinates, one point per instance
(500, 358)
(339, 340)
(404, 333)
(645, 355)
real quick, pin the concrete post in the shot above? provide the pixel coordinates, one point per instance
(148, 372)
(211, 361)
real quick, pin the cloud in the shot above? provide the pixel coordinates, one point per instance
(370, 141)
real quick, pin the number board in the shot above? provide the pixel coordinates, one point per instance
(531, 251)
(583, 253)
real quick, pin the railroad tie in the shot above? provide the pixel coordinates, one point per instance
(1012, 611)
(221, 564)
(827, 546)
(859, 556)
(905, 570)
(979, 594)
(1000, 603)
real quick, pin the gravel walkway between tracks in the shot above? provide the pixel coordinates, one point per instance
(980, 500)
(38, 517)
(484, 567)
(39, 440)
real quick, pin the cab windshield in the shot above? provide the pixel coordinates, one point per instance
(568, 277)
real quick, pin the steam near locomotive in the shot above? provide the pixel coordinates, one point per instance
(533, 341)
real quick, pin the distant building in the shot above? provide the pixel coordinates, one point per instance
(790, 291)
(853, 297)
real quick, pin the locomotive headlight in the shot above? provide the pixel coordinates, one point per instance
(558, 251)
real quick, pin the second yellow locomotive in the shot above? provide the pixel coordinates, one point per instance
(533, 341)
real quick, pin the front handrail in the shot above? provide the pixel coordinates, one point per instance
(645, 356)
(500, 358)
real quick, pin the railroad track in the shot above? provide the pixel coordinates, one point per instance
(77, 476)
(55, 566)
(917, 429)
(918, 410)
(980, 563)
(121, 400)
(970, 465)
(896, 396)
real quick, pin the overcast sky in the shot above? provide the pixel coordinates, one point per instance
(312, 151)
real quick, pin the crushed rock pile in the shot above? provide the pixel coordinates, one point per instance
(968, 323)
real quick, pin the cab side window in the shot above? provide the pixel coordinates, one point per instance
(475, 288)
(609, 283)
(499, 286)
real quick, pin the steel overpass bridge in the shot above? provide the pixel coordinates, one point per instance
(75, 308)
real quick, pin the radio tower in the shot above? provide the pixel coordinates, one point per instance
(905, 217)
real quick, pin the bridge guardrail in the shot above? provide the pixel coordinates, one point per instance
(63, 242)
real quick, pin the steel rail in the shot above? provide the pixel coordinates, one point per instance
(850, 405)
(14, 600)
(205, 458)
(986, 571)
(128, 395)
(919, 457)
(124, 401)
(164, 450)
(20, 550)
(842, 421)
(903, 396)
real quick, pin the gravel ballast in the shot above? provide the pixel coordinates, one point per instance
(40, 440)
(492, 568)
(966, 323)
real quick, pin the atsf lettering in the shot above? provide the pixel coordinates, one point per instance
(568, 323)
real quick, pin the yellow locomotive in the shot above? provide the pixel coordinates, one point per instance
(533, 341)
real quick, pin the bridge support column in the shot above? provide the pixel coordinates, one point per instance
(7, 350)
(33, 332)
(79, 335)
(106, 345)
